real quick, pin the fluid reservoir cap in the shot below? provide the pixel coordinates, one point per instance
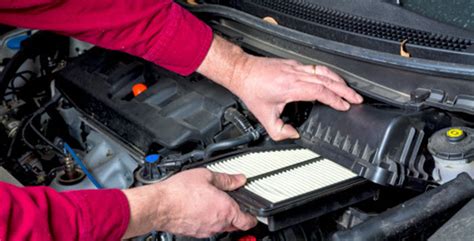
(153, 158)
(455, 134)
(452, 144)
(15, 42)
(138, 89)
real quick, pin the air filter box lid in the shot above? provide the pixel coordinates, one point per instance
(379, 143)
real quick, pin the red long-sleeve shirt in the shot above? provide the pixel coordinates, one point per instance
(157, 30)
(40, 213)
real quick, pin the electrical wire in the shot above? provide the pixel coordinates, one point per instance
(11, 69)
(23, 137)
(29, 124)
(82, 166)
(43, 138)
(12, 89)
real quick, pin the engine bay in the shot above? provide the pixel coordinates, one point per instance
(109, 120)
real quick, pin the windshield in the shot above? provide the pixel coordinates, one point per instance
(459, 13)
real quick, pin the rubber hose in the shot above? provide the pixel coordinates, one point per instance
(227, 144)
(427, 210)
(11, 69)
(240, 122)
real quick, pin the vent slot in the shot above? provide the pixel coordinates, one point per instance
(361, 25)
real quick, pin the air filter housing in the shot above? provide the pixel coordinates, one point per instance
(380, 143)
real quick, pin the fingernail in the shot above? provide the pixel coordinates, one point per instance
(346, 106)
(242, 178)
(359, 98)
(295, 136)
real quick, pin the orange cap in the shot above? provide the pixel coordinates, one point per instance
(138, 89)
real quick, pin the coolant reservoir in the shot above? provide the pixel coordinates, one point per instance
(453, 151)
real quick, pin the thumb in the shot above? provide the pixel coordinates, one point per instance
(243, 221)
(227, 182)
(281, 131)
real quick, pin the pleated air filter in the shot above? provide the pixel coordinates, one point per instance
(292, 185)
(257, 163)
(277, 176)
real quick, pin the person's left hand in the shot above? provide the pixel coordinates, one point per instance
(191, 203)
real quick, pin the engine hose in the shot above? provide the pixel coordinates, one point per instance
(240, 122)
(10, 70)
(39, 44)
(428, 210)
(194, 155)
(211, 149)
(249, 134)
(228, 144)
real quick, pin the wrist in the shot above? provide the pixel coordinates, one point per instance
(146, 213)
(240, 72)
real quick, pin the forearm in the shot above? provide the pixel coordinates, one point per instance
(224, 63)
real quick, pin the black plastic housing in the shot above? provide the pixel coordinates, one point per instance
(379, 143)
(172, 112)
(372, 24)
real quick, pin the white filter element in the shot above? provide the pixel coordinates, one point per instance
(258, 163)
(304, 179)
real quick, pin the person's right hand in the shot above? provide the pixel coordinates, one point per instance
(266, 85)
(191, 203)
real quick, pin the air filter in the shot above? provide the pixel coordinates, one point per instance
(298, 181)
(283, 174)
(281, 181)
(257, 163)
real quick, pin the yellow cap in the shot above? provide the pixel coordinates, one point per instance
(454, 133)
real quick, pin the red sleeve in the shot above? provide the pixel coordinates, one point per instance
(40, 213)
(157, 30)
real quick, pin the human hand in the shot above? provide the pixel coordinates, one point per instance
(191, 203)
(266, 85)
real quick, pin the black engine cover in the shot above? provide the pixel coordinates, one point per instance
(173, 111)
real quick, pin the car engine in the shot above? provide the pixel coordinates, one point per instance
(397, 167)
